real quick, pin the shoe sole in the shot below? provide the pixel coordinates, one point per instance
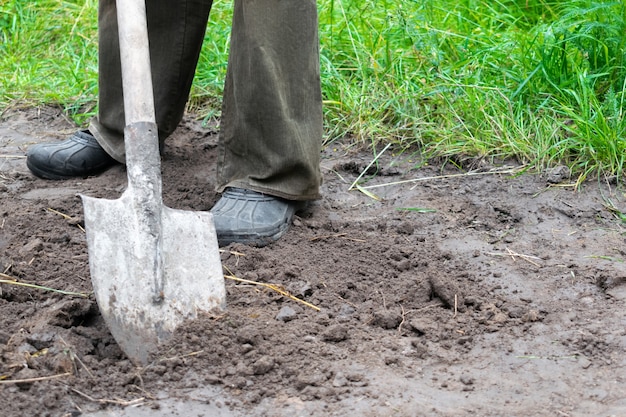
(253, 239)
(47, 175)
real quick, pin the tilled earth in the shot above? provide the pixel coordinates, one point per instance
(461, 289)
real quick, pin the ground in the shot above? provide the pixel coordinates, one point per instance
(495, 295)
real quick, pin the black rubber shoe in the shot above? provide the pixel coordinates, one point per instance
(253, 218)
(78, 156)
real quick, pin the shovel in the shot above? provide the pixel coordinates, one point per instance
(152, 267)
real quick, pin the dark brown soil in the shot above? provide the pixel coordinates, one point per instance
(505, 298)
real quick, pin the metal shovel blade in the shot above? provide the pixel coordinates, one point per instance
(140, 312)
(152, 267)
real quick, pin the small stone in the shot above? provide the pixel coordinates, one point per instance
(26, 348)
(41, 340)
(238, 382)
(500, 317)
(212, 379)
(531, 316)
(392, 360)
(420, 349)
(25, 374)
(355, 377)
(263, 365)
(619, 293)
(584, 362)
(422, 325)
(406, 228)
(159, 369)
(76, 221)
(286, 314)
(471, 300)
(340, 380)
(447, 290)
(467, 380)
(325, 392)
(336, 333)
(34, 246)
(301, 289)
(346, 311)
(67, 313)
(404, 265)
(516, 312)
(248, 335)
(314, 378)
(558, 174)
(246, 347)
(387, 319)
(465, 340)
(357, 380)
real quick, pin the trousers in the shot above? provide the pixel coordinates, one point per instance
(271, 125)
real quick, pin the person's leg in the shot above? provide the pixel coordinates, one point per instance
(271, 127)
(176, 31)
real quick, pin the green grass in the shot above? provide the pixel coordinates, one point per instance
(542, 81)
(49, 55)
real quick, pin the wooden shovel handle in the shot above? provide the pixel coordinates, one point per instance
(135, 57)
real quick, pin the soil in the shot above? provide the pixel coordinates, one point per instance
(494, 295)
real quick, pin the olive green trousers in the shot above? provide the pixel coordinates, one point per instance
(271, 126)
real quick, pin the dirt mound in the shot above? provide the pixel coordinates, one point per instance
(482, 294)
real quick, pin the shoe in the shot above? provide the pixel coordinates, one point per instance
(78, 156)
(249, 217)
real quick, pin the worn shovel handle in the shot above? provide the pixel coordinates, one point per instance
(135, 58)
(141, 141)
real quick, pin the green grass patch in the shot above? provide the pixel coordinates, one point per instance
(49, 54)
(542, 81)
